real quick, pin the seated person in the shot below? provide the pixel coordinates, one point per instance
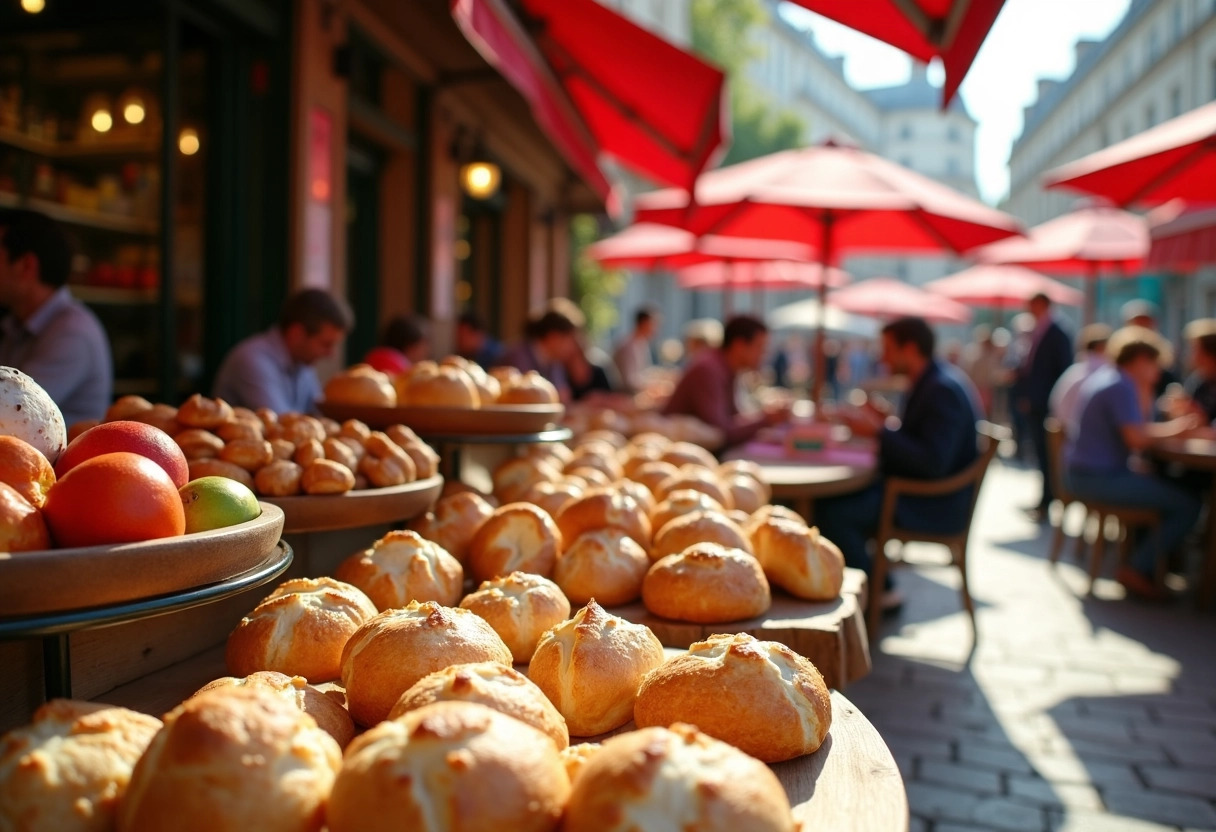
(588, 374)
(1113, 426)
(549, 340)
(1062, 404)
(473, 341)
(1200, 385)
(402, 345)
(47, 334)
(935, 438)
(274, 368)
(707, 388)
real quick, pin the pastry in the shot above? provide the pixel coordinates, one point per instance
(707, 584)
(201, 412)
(552, 496)
(799, 560)
(401, 567)
(361, 385)
(324, 476)
(528, 388)
(241, 429)
(652, 474)
(250, 454)
(602, 508)
(126, 407)
(605, 564)
(520, 607)
(576, 756)
(453, 522)
(699, 527)
(514, 478)
(438, 386)
(516, 537)
(197, 443)
(325, 709)
(680, 454)
(680, 504)
(697, 479)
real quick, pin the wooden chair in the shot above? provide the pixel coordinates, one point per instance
(989, 439)
(1059, 485)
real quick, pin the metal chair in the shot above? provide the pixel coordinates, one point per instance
(989, 438)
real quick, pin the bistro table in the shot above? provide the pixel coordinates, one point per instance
(1197, 455)
(803, 477)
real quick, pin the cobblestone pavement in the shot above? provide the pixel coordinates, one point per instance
(1073, 714)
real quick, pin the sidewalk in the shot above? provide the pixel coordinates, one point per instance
(1074, 714)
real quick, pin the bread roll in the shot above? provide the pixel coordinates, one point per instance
(590, 668)
(426, 460)
(453, 522)
(697, 479)
(299, 629)
(445, 386)
(515, 477)
(634, 457)
(401, 567)
(163, 416)
(126, 407)
(680, 504)
(707, 584)
(699, 527)
(762, 515)
(218, 468)
(308, 451)
(504, 375)
(494, 685)
(392, 651)
(605, 564)
(450, 766)
(799, 560)
(759, 696)
(676, 778)
(340, 451)
(231, 760)
(241, 429)
(553, 496)
(604, 508)
(529, 388)
(741, 466)
(250, 454)
(517, 537)
(197, 443)
(324, 476)
(201, 412)
(520, 607)
(680, 454)
(357, 430)
(300, 427)
(640, 493)
(588, 477)
(653, 474)
(280, 478)
(327, 710)
(605, 462)
(746, 493)
(575, 757)
(68, 770)
(367, 387)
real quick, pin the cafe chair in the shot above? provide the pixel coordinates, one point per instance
(989, 438)
(1128, 519)
(1063, 495)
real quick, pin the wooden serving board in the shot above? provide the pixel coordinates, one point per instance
(831, 634)
(448, 421)
(59, 580)
(366, 507)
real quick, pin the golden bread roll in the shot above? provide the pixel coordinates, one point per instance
(529, 388)
(234, 758)
(339, 451)
(513, 478)
(707, 584)
(590, 668)
(759, 696)
(494, 685)
(244, 414)
(676, 778)
(605, 564)
(324, 476)
(299, 629)
(640, 493)
(369, 388)
(656, 440)
(280, 478)
(299, 427)
(605, 463)
(267, 417)
(201, 412)
(576, 756)
(699, 527)
(308, 451)
(126, 407)
(764, 513)
(219, 468)
(403, 566)
(385, 463)
(741, 466)
(654, 474)
(742, 518)
(163, 416)
(426, 460)
(450, 766)
(453, 522)
(239, 429)
(446, 386)
(680, 504)
(799, 560)
(197, 443)
(250, 454)
(401, 434)
(520, 607)
(68, 770)
(604, 508)
(504, 375)
(553, 496)
(355, 430)
(592, 477)
(614, 438)
(327, 711)
(392, 651)
(283, 449)
(451, 487)
(680, 454)
(517, 537)
(332, 426)
(637, 456)
(696, 479)
(488, 388)
(746, 494)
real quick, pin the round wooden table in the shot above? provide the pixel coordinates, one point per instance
(1197, 455)
(803, 482)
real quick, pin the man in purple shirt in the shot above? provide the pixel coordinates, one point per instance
(46, 333)
(550, 339)
(707, 389)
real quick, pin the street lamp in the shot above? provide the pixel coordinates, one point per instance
(480, 179)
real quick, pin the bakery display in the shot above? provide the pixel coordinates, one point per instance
(515, 477)
(326, 709)
(699, 527)
(680, 504)
(520, 607)
(590, 668)
(494, 685)
(707, 584)
(799, 560)
(68, 770)
(675, 778)
(453, 522)
(450, 765)
(396, 648)
(517, 537)
(299, 629)
(528, 388)
(602, 508)
(362, 385)
(605, 564)
(403, 566)
(233, 758)
(429, 384)
(759, 696)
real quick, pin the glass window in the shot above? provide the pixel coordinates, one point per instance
(1175, 102)
(952, 133)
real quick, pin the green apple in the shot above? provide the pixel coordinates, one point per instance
(217, 502)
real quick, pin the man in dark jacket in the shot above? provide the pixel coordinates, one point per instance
(1050, 354)
(934, 438)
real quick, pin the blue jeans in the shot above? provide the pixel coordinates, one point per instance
(1178, 507)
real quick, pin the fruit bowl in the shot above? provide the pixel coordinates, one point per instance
(365, 507)
(58, 580)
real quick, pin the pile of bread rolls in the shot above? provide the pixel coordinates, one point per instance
(581, 418)
(453, 382)
(283, 454)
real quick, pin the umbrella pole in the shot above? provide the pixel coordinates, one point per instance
(825, 260)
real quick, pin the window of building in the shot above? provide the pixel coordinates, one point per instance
(1128, 68)
(952, 133)
(951, 166)
(1176, 21)
(1175, 102)
(1154, 46)
(1150, 114)
(905, 131)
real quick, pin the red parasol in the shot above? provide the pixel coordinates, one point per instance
(651, 247)
(1174, 160)
(1183, 236)
(1001, 287)
(887, 298)
(770, 274)
(948, 29)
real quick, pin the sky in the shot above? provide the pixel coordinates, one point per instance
(1004, 76)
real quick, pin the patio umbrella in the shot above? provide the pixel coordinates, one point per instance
(1081, 242)
(769, 274)
(811, 314)
(1174, 160)
(1001, 287)
(948, 29)
(652, 247)
(886, 298)
(1183, 236)
(840, 199)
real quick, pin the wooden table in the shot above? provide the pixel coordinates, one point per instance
(804, 482)
(1197, 455)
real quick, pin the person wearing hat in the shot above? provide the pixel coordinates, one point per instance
(1063, 401)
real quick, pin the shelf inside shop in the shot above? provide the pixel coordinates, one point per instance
(80, 216)
(79, 150)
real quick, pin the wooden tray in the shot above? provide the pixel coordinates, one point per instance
(831, 634)
(366, 507)
(447, 421)
(58, 580)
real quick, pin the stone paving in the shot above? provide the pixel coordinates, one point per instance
(1073, 714)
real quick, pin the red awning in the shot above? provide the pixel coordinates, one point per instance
(1184, 236)
(950, 29)
(598, 83)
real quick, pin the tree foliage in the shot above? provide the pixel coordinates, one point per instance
(594, 288)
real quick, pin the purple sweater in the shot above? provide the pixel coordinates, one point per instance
(707, 391)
